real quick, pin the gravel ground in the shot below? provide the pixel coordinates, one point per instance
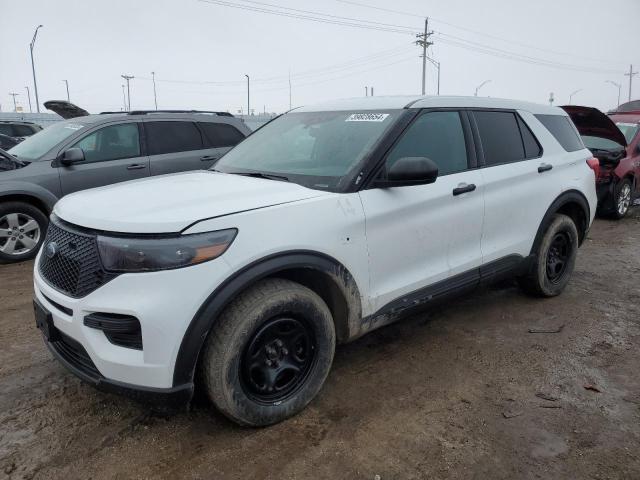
(464, 391)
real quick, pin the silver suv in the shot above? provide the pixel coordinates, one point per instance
(97, 150)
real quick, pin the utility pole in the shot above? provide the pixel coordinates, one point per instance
(437, 65)
(616, 84)
(33, 68)
(155, 97)
(248, 89)
(29, 97)
(423, 41)
(630, 75)
(67, 83)
(366, 91)
(127, 78)
(124, 99)
(372, 91)
(551, 99)
(15, 105)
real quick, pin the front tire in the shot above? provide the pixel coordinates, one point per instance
(554, 259)
(622, 199)
(269, 353)
(22, 231)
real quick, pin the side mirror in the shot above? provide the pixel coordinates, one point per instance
(71, 156)
(408, 171)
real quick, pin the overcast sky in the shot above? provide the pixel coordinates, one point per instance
(201, 50)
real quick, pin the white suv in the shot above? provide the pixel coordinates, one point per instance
(327, 223)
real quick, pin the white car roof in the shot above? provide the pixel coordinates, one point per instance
(416, 101)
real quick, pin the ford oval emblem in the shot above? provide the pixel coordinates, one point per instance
(51, 250)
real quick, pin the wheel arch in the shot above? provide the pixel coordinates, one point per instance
(571, 203)
(43, 200)
(319, 272)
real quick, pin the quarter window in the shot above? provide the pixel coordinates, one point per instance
(562, 129)
(221, 134)
(172, 137)
(532, 148)
(111, 143)
(435, 135)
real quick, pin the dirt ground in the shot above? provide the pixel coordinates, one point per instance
(465, 391)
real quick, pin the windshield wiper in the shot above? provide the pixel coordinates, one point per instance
(268, 176)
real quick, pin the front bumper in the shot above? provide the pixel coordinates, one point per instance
(164, 303)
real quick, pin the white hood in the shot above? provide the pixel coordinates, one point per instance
(170, 203)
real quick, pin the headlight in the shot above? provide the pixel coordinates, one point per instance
(122, 254)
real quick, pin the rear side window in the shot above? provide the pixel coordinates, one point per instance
(564, 132)
(172, 137)
(221, 134)
(500, 137)
(435, 135)
(532, 148)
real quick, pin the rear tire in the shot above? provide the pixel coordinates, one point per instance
(269, 353)
(22, 231)
(554, 260)
(622, 199)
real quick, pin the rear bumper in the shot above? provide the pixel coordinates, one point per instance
(75, 358)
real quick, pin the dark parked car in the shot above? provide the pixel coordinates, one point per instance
(96, 150)
(615, 142)
(7, 142)
(18, 129)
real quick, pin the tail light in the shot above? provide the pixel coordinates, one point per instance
(594, 164)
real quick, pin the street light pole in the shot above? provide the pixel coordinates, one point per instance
(67, 83)
(572, 94)
(248, 98)
(480, 86)
(33, 68)
(124, 99)
(615, 84)
(155, 97)
(437, 65)
(29, 97)
(127, 78)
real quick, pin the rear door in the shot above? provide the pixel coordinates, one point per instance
(219, 138)
(175, 146)
(519, 183)
(420, 235)
(113, 154)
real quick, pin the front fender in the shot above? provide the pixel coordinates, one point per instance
(27, 189)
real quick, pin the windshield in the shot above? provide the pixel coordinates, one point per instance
(629, 130)
(600, 143)
(314, 149)
(40, 143)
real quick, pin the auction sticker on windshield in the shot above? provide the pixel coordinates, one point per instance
(74, 126)
(367, 117)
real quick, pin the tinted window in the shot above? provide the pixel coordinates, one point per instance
(532, 148)
(435, 135)
(22, 130)
(171, 137)
(500, 137)
(564, 132)
(6, 129)
(111, 143)
(221, 134)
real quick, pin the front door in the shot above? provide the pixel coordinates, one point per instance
(420, 235)
(112, 154)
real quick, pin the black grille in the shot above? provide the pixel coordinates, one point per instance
(73, 266)
(75, 354)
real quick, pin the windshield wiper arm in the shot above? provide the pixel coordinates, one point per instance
(268, 176)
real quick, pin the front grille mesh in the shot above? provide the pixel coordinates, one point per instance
(75, 269)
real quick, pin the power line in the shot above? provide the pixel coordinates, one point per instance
(477, 32)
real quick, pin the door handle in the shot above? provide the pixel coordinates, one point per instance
(208, 157)
(136, 166)
(463, 188)
(544, 167)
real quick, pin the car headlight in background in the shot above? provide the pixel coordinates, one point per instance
(122, 254)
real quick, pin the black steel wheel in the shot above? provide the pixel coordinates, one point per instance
(278, 359)
(558, 256)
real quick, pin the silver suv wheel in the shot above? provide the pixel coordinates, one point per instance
(19, 234)
(624, 199)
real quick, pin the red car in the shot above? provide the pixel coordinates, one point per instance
(615, 141)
